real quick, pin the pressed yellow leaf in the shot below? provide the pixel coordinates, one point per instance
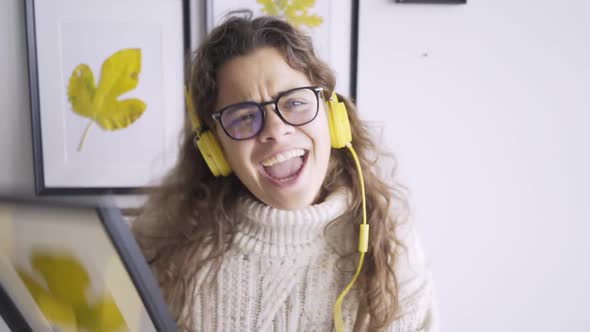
(312, 21)
(282, 4)
(295, 7)
(65, 304)
(269, 7)
(32, 285)
(102, 316)
(123, 114)
(81, 90)
(296, 11)
(54, 310)
(119, 74)
(305, 3)
(290, 13)
(57, 312)
(66, 278)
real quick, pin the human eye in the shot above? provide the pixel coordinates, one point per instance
(298, 101)
(239, 117)
(294, 105)
(246, 118)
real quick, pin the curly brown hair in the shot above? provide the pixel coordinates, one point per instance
(190, 216)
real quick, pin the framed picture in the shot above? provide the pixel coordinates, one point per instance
(332, 24)
(74, 268)
(106, 86)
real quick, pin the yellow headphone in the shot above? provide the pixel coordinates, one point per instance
(206, 142)
(340, 137)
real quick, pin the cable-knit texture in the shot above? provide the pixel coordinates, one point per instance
(281, 274)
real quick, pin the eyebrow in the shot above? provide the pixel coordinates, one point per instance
(272, 97)
(249, 101)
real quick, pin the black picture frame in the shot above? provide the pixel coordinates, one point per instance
(11, 315)
(123, 243)
(40, 179)
(354, 49)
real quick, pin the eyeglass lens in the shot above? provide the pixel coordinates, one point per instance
(297, 107)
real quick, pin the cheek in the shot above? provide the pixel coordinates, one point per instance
(322, 131)
(319, 133)
(226, 144)
(235, 152)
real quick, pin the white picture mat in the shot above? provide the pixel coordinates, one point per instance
(75, 232)
(22, 299)
(331, 40)
(88, 32)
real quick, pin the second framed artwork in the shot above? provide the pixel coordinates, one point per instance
(106, 85)
(332, 24)
(66, 267)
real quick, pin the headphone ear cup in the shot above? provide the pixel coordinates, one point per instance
(340, 133)
(213, 155)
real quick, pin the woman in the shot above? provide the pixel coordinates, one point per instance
(272, 245)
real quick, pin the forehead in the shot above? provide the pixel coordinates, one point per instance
(257, 76)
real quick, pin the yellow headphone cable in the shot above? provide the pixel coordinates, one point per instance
(362, 248)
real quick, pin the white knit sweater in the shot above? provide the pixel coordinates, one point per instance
(282, 274)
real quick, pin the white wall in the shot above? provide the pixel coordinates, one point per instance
(488, 107)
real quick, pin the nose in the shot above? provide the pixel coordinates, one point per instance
(275, 129)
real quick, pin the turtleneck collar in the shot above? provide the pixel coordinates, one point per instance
(274, 232)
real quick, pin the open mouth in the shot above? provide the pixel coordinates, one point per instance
(285, 168)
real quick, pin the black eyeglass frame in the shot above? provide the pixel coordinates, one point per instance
(261, 106)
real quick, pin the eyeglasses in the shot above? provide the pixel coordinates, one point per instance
(295, 107)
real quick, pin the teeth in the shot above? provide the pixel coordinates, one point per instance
(283, 157)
